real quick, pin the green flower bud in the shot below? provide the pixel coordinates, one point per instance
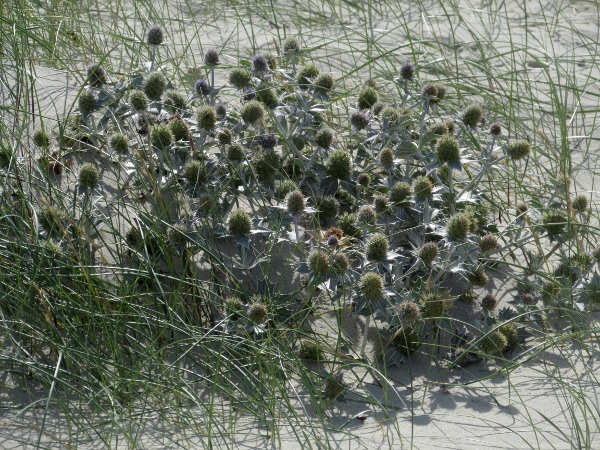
(359, 120)
(440, 129)
(86, 102)
(422, 187)
(408, 312)
(340, 263)
(310, 351)
(324, 83)
(428, 252)
(334, 385)
(291, 46)
(296, 201)
(511, 333)
(328, 207)
(488, 243)
(433, 305)
(309, 71)
(371, 286)
(195, 172)
(180, 130)
(381, 203)
(522, 208)
(53, 220)
(386, 157)
(318, 261)
(161, 137)
(155, 35)
(580, 203)
(206, 117)
(154, 86)
(133, 237)
(459, 225)
(364, 179)
(96, 75)
(550, 290)
(366, 215)
(233, 307)
(265, 164)
(41, 138)
(225, 136)
(519, 150)
(478, 277)
(239, 223)
(235, 153)
(377, 247)
(211, 57)
(442, 90)
(284, 188)
(240, 78)
(554, 221)
(339, 165)
(257, 312)
(178, 235)
(138, 100)
(267, 96)
(448, 150)
(472, 115)
(347, 223)
(400, 192)
(493, 343)
(489, 302)
(324, 137)
(367, 98)
(119, 143)
(174, 101)
(252, 111)
(429, 90)
(88, 175)
(496, 129)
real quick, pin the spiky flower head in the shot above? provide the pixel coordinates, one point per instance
(257, 312)
(451, 126)
(378, 108)
(580, 203)
(233, 307)
(489, 302)
(519, 149)
(260, 64)
(554, 221)
(161, 137)
(381, 203)
(225, 136)
(324, 83)
(334, 385)
(138, 100)
(496, 129)
(407, 70)
(328, 207)
(371, 286)
(448, 150)
(359, 120)
(472, 115)
(295, 201)
(309, 71)
(367, 97)
(332, 241)
(86, 102)
(221, 109)
(439, 128)
(386, 157)
(347, 223)
(206, 202)
(119, 143)
(324, 137)
(41, 138)
(333, 231)
(493, 343)
(180, 130)
(291, 46)
(249, 94)
(239, 223)
(459, 225)
(550, 290)
(195, 172)
(377, 247)
(340, 262)
(88, 175)
(252, 111)
(429, 90)
(408, 312)
(528, 299)
(265, 164)
(339, 165)
(155, 35)
(318, 261)
(174, 101)
(202, 87)
(267, 96)
(155, 85)
(511, 333)
(400, 192)
(96, 75)
(366, 215)
(364, 179)
(268, 141)
(478, 277)
(211, 57)
(206, 117)
(240, 78)
(468, 295)
(422, 187)
(488, 243)
(434, 304)
(235, 153)
(442, 91)
(429, 252)
(178, 235)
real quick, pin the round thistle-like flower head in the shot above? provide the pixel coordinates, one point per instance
(119, 143)
(407, 71)
(206, 117)
(180, 130)
(496, 129)
(260, 64)
(367, 98)
(295, 201)
(429, 252)
(318, 261)
(178, 235)
(86, 102)
(422, 187)
(334, 385)
(528, 299)
(233, 307)
(265, 164)
(333, 231)
(206, 202)
(434, 304)
(519, 150)
(408, 312)
(240, 78)
(439, 128)
(488, 243)
(267, 96)
(378, 108)
(88, 175)
(211, 57)
(366, 215)
(347, 223)
(459, 225)
(268, 141)
(442, 90)
(221, 109)
(580, 203)
(332, 241)
(472, 115)
(96, 75)
(235, 153)
(324, 137)
(371, 286)
(468, 295)
(511, 333)
(257, 313)
(138, 100)
(359, 120)
(324, 83)
(162, 137)
(489, 302)
(377, 247)
(252, 111)
(550, 290)
(364, 179)
(554, 221)
(195, 172)
(41, 138)
(493, 343)
(328, 207)
(478, 277)
(448, 150)
(451, 126)
(174, 101)
(400, 192)
(239, 223)
(340, 262)
(284, 188)
(381, 203)
(202, 87)
(386, 157)
(310, 71)
(155, 85)
(155, 35)
(429, 90)
(225, 136)
(339, 165)
(291, 46)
